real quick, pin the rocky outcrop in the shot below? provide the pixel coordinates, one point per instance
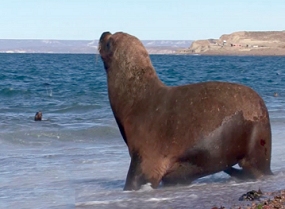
(200, 46)
(249, 43)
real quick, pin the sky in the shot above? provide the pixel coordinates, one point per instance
(147, 20)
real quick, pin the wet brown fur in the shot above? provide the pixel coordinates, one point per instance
(178, 134)
(38, 116)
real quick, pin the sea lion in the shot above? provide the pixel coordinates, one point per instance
(38, 116)
(178, 134)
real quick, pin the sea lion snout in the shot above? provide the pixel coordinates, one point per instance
(103, 43)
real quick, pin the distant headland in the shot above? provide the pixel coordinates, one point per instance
(83, 46)
(241, 43)
(271, 43)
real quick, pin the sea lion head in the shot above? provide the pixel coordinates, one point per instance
(130, 74)
(38, 116)
(124, 54)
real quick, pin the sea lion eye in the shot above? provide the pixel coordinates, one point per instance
(108, 45)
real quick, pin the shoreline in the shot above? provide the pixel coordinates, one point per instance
(208, 53)
(236, 52)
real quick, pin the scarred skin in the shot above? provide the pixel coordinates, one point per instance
(178, 134)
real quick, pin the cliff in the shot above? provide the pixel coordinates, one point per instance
(242, 43)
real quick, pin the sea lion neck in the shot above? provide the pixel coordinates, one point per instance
(132, 89)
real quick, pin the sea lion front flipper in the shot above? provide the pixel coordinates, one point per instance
(135, 177)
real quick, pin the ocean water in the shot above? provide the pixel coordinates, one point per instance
(76, 158)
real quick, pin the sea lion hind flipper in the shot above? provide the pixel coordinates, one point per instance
(238, 173)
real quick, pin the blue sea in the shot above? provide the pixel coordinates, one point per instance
(76, 158)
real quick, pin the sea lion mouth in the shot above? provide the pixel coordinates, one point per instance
(103, 43)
